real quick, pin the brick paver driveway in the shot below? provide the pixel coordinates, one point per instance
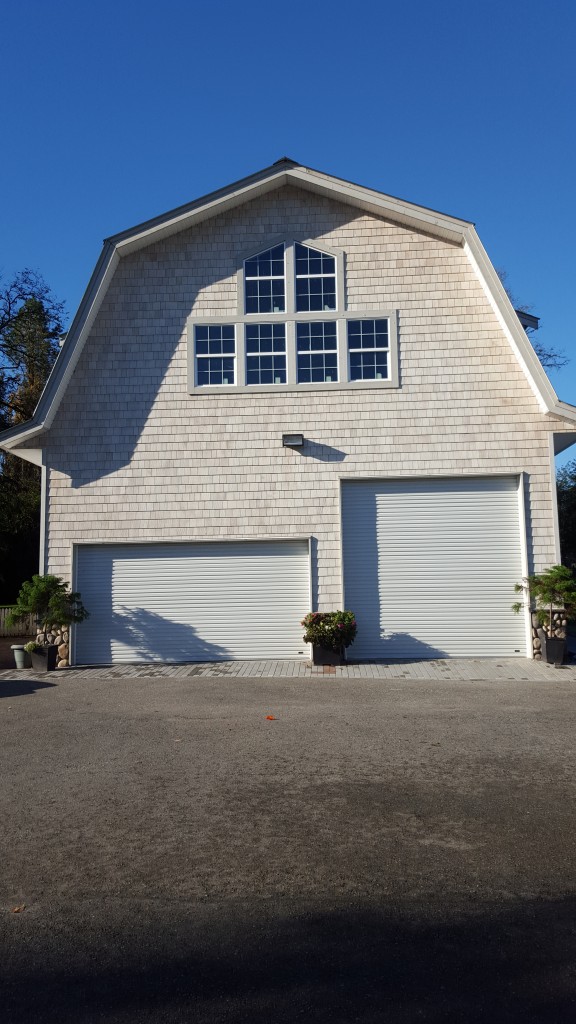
(217, 848)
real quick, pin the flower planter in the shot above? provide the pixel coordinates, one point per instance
(326, 656)
(553, 649)
(21, 657)
(45, 659)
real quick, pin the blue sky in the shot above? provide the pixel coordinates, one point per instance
(117, 111)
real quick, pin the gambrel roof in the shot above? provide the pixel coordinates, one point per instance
(289, 172)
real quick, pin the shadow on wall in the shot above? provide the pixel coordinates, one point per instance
(102, 639)
(504, 963)
(404, 646)
(122, 368)
(321, 452)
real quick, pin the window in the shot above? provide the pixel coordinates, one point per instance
(265, 353)
(215, 355)
(315, 279)
(265, 288)
(368, 349)
(317, 349)
(292, 330)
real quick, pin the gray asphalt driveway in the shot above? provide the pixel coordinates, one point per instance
(398, 850)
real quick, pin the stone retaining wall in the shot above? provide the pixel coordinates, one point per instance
(559, 624)
(61, 640)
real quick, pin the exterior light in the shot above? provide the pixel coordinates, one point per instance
(292, 440)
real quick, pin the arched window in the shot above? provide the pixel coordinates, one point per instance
(265, 282)
(292, 328)
(315, 280)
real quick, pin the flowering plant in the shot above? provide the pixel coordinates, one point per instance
(31, 647)
(333, 630)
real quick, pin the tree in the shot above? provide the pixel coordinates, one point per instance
(551, 358)
(50, 601)
(555, 588)
(566, 488)
(31, 320)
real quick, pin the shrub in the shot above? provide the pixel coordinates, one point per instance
(332, 630)
(50, 601)
(553, 589)
(32, 646)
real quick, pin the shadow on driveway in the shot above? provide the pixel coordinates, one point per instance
(22, 687)
(272, 961)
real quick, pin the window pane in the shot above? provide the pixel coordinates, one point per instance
(264, 282)
(317, 358)
(315, 280)
(368, 346)
(265, 353)
(215, 350)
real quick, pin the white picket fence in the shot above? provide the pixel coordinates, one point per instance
(26, 628)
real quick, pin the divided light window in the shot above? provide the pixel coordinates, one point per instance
(265, 353)
(317, 352)
(293, 328)
(368, 349)
(215, 355)
(315, 280)
(265, 282)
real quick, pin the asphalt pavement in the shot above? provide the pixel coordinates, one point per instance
(269, 850)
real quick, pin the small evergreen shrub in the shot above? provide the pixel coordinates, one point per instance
(51, 603)
(549, 591)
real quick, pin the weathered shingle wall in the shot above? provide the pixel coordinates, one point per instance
(133, 456)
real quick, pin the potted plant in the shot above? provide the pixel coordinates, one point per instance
(43, 656)
(330, 633)
(55, 607)
(553, 595)
(21, 656)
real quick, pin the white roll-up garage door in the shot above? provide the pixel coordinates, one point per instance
(430, 567)
(192, 602)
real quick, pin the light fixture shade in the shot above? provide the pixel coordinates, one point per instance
(292, 440)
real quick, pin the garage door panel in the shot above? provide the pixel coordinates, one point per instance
(430, 567)
(195, 602)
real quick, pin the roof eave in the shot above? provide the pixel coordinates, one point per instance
(285, 171)
(508, 318)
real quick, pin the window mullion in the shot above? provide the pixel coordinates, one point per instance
(291, 376)
(342, 344)
(289, 267)
(240, 355)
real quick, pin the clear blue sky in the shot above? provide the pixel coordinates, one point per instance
(113, 112)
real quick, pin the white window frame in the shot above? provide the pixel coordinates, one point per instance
(258, 355)
(272, 277)
(234, 356)
(290, 318)
(363, 349)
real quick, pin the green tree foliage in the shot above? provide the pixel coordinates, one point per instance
(566, 485)
(31, 320)
(549, 590)
(51, 603)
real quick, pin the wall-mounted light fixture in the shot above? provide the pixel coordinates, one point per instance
(292, 440)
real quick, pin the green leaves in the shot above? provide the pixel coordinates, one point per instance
(554, 588)
(50, 601)
(332, 630)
